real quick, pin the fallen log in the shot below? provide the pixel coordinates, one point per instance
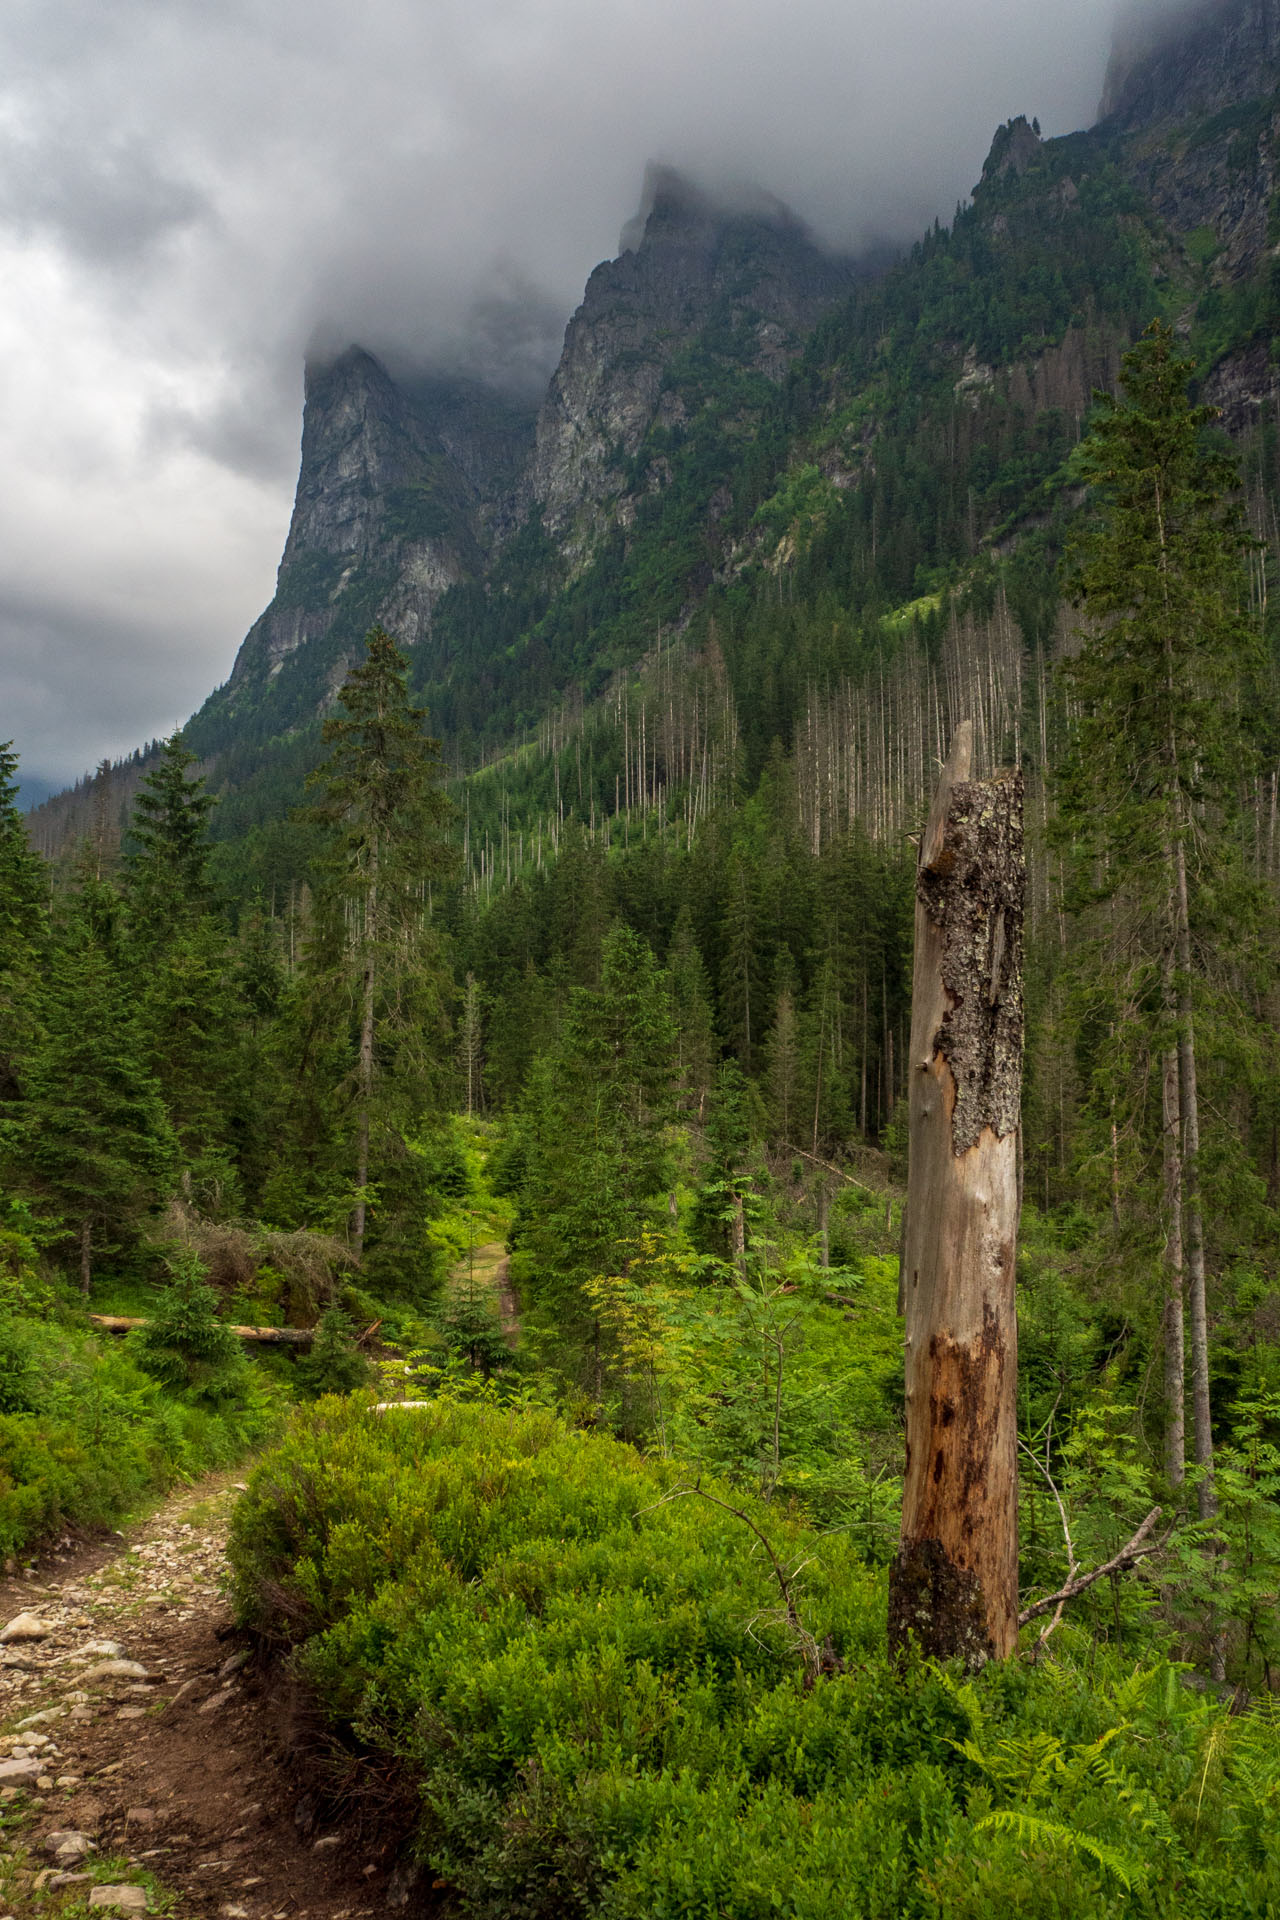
(269, 1336)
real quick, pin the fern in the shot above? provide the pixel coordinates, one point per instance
(1030, 1829)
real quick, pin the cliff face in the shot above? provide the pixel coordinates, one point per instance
(397, 493)
(408, 486)
(1198, 102)
(627, 481)
(754, 275)
(1197, 59)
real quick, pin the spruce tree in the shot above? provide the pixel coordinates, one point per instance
(381, 799)
(595, 1146)
(166, 867)
(23, 929)
(91, 1139)
(1148, 789)
(190, 1011)
(691, 1015)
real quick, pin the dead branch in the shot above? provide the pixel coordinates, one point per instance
(1073, 1565)
(827, 1167)
(784, 1582)
(1130, 1553)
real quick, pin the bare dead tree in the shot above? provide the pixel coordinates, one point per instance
(954, 1584)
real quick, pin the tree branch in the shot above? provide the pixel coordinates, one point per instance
(1132, 1551)
(784, 1584)
(827, 1167)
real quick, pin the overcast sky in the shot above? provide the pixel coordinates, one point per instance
(191, 190)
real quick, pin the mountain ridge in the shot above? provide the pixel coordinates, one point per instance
(719, 361)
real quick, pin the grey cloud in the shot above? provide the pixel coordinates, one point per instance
(193, 193)
(73, 688)
(109, 207)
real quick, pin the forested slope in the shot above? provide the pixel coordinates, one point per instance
(618, 971)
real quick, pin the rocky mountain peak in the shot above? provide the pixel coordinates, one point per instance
(401, 480)
(1016, 147)
(688, 260)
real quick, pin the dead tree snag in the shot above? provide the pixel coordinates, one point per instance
(954, 1585)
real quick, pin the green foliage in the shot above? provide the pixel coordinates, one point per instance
(595, 1149)
(371, 1017)
(186, 1347)
(334, 1363)
(91, 1140)
(594, 1691)
(86, 1435)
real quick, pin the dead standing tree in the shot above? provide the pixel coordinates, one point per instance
(954, 1584)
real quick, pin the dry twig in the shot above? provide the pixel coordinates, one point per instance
(1130, 1553)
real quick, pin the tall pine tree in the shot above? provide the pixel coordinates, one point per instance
(1148, 790)
(90, 1140)
(381, 799)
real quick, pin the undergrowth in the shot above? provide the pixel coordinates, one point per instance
(89, 1428)
(606, 1710)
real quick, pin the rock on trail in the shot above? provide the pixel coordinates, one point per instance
(136, 1733)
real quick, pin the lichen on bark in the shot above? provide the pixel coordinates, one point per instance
(937, 1606)
(967, 892)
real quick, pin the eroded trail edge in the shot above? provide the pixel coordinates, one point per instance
(145, 1752)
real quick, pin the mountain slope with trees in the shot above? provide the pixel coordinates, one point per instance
(621, 969)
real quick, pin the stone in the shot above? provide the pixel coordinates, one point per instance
(140, 1817)
(40, 1719)
(68, 1844)
(66, 1879)
(327, 1840)
(115, 1670)
(127, 1899)
(404, 1878)
(102, 1649)
(68, 1780)
(14, 1770)
(131, 1713)
(24, 1626)
(216, 1700)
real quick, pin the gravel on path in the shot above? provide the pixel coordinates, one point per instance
(143, 1753)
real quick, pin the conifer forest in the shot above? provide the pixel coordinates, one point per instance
(701, 1128)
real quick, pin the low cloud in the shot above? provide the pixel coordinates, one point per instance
(192, 194)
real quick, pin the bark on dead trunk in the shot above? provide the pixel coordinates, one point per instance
(954, 1585)
(738, 1235)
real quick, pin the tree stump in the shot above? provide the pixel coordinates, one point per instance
(953, 1587)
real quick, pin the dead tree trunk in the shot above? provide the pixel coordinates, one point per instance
(953, 1588)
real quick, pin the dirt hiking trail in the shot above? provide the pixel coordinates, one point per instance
(138, 1730)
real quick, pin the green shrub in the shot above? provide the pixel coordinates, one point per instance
(186, 1347)
(335, 1363)
(102, 1436)
(604, 1709)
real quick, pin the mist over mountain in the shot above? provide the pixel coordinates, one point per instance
(529, 537)
(192, 200)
